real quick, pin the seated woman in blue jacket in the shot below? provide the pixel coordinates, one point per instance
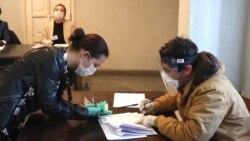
(37, 81)
(4, 32)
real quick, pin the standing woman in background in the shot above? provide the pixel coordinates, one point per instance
(59, 30)
(4, 32)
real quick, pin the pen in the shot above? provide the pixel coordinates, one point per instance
(93, 101)
(136, 104)
(128, 105)
(152, 99)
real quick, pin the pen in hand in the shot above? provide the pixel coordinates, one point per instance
(152, 99)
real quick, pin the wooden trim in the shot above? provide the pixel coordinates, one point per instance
(127, 73)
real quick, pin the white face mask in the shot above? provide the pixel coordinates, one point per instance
(58, 14)
(80, 70)
(170, 83)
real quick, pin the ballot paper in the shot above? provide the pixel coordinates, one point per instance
(123, 126)
(43, 45)
(2, 47)
(124, 99)
(38, 46)
(61, 45)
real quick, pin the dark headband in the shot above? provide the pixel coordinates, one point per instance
(178, 63)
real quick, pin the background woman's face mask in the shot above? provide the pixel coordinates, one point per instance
(58, 14)
(80, 70)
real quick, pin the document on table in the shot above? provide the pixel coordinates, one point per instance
(61, 45)
(2, 47)
(55, 45)
(123, 126)
(38, 46)
(124, 99)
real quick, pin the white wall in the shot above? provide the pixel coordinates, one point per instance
(134, 29)
(13, 11)
(218, 26)
(232, 38)
(246, 61)
(204, 24)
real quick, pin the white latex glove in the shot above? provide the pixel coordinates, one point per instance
(147, 107)
(48, 43)
(148, 120)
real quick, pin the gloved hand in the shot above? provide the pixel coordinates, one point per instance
(48, 43)
(103, 105)
(94, 111)
(147, 107)
(98, 109)
(148, 120)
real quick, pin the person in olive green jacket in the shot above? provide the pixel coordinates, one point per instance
(207, 105)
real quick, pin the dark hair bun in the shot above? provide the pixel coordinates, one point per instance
(77, 35)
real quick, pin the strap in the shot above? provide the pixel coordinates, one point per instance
(68, 83)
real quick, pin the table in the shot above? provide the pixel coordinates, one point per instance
(40, 127)
(12, 52)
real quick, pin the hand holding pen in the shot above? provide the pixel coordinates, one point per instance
(147, 107)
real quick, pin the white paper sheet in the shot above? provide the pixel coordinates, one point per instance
(61, 45)
(38, 46)
(123, 99)
(122, 126)
(2, 47)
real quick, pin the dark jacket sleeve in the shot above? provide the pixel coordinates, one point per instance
(47, 76)
(5, 31)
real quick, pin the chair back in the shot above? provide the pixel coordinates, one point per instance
(245, 99)
(13, 38)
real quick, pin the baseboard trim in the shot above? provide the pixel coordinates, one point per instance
(127, 73)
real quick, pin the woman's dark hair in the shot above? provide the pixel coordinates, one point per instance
(0, 11)
(92, 43)
(65, 10)
(178, 53)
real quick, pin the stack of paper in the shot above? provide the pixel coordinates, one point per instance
(122, 126)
